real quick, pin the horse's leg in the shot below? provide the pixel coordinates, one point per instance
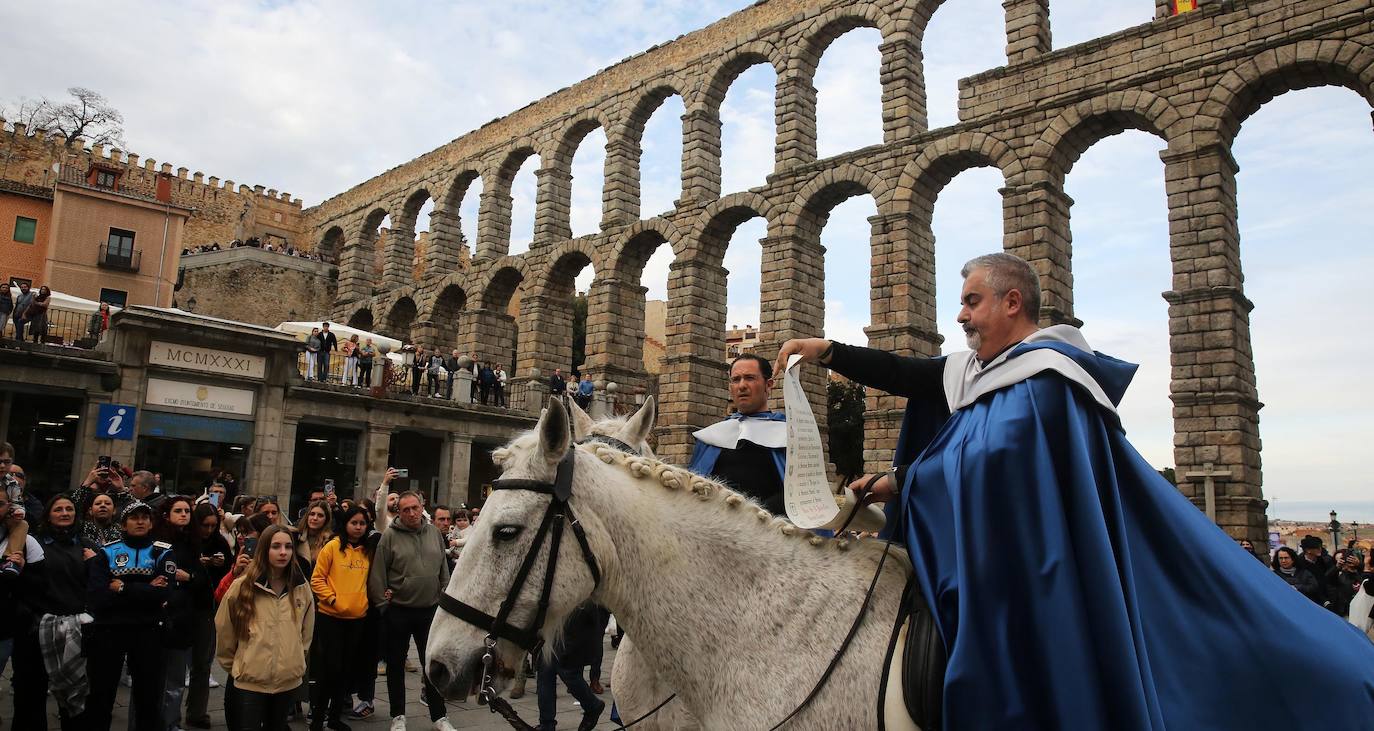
(637, 689)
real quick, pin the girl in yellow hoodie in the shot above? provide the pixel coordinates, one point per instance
(340, 585)
(264, 626)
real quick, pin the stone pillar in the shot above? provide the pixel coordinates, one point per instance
(462, 386)
(454, 465)
(398, 262)
(1216, 403)
(488, 335)
(493, 222)
(694, 387)
(615, 333)
(792, 305)
(426, 333)
(902, 303)
(700, 156)
(376, 455)
(601, 403)
(795, 117)
(1035, 219)
(553, 205)
(1028, 29)
(620, 195)
(354, 282)
(904, 90)
(546, 322)
(443, 255)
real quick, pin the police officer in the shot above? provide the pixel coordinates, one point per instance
(129, 587)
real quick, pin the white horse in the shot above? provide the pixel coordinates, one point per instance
(737, 611)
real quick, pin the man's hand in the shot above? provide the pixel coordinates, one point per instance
(116, 586)
(87, 554)
(883, 490)
(160, 581)
(182, 576)
(809, 348)
(241, 563)
(217, 559)
(387, 595)
(391, 474)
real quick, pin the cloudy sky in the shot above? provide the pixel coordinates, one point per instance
(313, 97)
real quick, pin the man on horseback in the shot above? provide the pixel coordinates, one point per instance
(748, 450)
(1051, 554)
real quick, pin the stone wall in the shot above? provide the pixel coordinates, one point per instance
(257, 286)
(223, 211)
(1190, 80)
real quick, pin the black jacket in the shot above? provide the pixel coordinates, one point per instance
(66, 569)
(328, 342)
(204, 601)
(1306, 583)
(582, 636)
(182, 595)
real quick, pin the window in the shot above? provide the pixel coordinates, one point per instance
(115, 297)
(105, 179)
(121, 244)
(25, 229)
(16, 281)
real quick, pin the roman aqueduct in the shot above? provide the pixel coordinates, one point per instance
(1191, 79)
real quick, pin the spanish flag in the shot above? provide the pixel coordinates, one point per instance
(1183, 6)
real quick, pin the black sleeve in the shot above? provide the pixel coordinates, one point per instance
(899, 375)
(98, 594)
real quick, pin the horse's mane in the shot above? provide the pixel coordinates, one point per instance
(705, 489)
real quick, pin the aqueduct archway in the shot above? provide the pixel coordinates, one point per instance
(1030, 120)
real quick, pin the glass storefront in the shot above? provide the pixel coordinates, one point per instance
(189, 450)
(419, 453)
(44, 430)
(323, 453)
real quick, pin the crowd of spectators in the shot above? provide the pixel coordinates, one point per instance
(303, 616)
(26, 313)
(254, 242)
(1342, 582)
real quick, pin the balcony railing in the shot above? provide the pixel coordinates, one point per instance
(403, 384)
(124, 259)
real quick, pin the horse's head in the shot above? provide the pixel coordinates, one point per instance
(632, 432)
(501, 541)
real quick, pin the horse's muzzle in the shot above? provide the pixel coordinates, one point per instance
(457, 684)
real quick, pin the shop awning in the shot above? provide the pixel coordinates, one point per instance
(68, 302)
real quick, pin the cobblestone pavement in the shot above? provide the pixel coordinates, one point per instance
(466, 715)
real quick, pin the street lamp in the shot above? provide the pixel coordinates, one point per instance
(1355, 530)
(1335, 532)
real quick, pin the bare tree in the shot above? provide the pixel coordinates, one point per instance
(88, 115)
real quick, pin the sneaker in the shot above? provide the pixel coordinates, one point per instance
(398, 723)
(592, 714)
(361, 710)
(187, 682)
(443, 725)
(213, 683)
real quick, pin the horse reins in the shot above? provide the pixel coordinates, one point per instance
(551, 527)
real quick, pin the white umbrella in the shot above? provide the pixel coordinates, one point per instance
(67, 302)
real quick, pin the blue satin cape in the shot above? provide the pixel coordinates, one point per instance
(1075, 588)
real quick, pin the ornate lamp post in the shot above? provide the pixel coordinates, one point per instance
(1335, 527)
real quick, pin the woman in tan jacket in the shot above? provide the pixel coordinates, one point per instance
(264, 626)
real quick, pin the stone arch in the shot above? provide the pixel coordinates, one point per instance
(399, 268)
(361, 319)
(400, 318)
(736, 62)
(447, 247)
(625, 152)
(556, 180)
(331, 244)
(1244, 89)
(830, 188)
(634, 247)
(497, 285)
(444, 309)
(1081, 126)
(718, 221)
(923, 178)
(577, 252)
(494, 219)
(824, 29)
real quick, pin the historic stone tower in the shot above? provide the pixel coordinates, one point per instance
(1191, 79)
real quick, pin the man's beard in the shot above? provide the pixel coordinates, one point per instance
(974, 338)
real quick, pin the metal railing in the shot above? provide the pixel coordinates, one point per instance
(403, 383)
(58, 327)
(116, 259)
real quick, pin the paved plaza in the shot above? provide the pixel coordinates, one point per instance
(466, 715)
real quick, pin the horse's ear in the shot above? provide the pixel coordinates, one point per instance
(639, 425)
(581, 423)
(554, 434)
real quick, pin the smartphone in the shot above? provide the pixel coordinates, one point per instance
(403, 472)
(214, 499)
(329, 487)
(250, 545)
(102, 462)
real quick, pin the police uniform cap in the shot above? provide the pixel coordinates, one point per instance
(133, 506)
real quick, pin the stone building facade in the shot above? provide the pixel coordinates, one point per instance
(1191, 80)
(255, 285)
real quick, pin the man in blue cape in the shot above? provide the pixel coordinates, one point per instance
(1072, 586)
(748, 450)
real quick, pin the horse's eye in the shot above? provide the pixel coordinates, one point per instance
(507, 532)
